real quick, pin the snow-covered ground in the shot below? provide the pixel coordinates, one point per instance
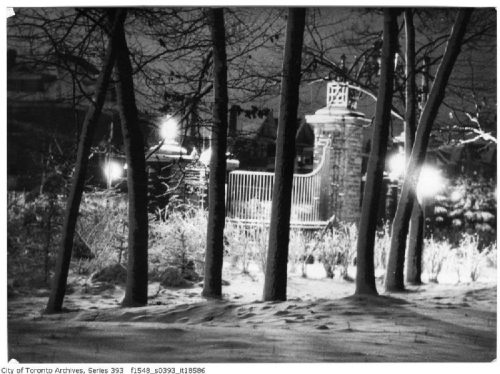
(320, 322)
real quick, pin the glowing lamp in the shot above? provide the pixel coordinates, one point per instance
(397, 166)
(430, 183)
(113, 171)
(169, 128)
(205, 156)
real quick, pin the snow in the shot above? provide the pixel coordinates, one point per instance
(320, 322)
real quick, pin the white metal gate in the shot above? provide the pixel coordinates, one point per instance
(249, 195)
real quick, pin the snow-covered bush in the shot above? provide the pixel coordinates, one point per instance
(178, 242)
(436, 253)
(246, 244)
(471, 258)
(382, 246)
(103, 227)
(468, 205)
(337, 249)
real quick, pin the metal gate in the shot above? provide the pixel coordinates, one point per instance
(249, 195)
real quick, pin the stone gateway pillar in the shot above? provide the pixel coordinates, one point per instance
(341, 126)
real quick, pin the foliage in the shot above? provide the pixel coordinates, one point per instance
(300, 250)
(382, 245)
(246, 244)
(115, 273)
(33, 232)
(435, 254)
(338, 249)
(471, 258)
(178, 241)
(103, 226)
(467, 205)
(467, 259)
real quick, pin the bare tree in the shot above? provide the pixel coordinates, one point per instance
(394, 280)
(136, 291)
(212, 285)
(365, 276)
(279, 231)
(78, 181)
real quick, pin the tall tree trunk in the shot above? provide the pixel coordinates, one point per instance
(410, 128)
(58, 290)
(393, 281)
(365, 275)
(279, 230)
(212, 285)
(411, 89)
(415, 245)
(415, 238)
(136, 290)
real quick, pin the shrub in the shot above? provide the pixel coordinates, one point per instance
(245, 244)
(468, 205)
(492, 255)
(116, 274)
(435, 254)
(301, 250)
(471, 257)
(337, 248)
(33, 235)
(178, 242)
(382, 246)
(103, 227)
(173, 277)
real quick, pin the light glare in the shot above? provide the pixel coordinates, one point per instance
(397, 165)
(430, 183)
(169, 128)
(112, 171)
(205, 156)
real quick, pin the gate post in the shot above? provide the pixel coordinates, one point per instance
(342, 125)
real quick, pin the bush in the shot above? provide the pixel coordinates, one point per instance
(468, 205)
(246, 244)
(382, 246)
(470, 257)
(172, 277)
(337, 248)
(178, 242)
(435, 255)
(116, 274)
(103, 227)
(300, 250)
(33, 235)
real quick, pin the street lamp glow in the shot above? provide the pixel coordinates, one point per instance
(430, 183)
(205, 156)
(169, 128)
(113, 171)
(397, 165)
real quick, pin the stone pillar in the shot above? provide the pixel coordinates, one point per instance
(339, 123)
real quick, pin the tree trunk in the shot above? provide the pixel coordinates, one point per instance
(365, 276)
(212, 285)
(394, 280)
(279, 230)
(410, 129)
(136, 291)
(416, 224)
(415, 245)
(58, 290)
(411, 89)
